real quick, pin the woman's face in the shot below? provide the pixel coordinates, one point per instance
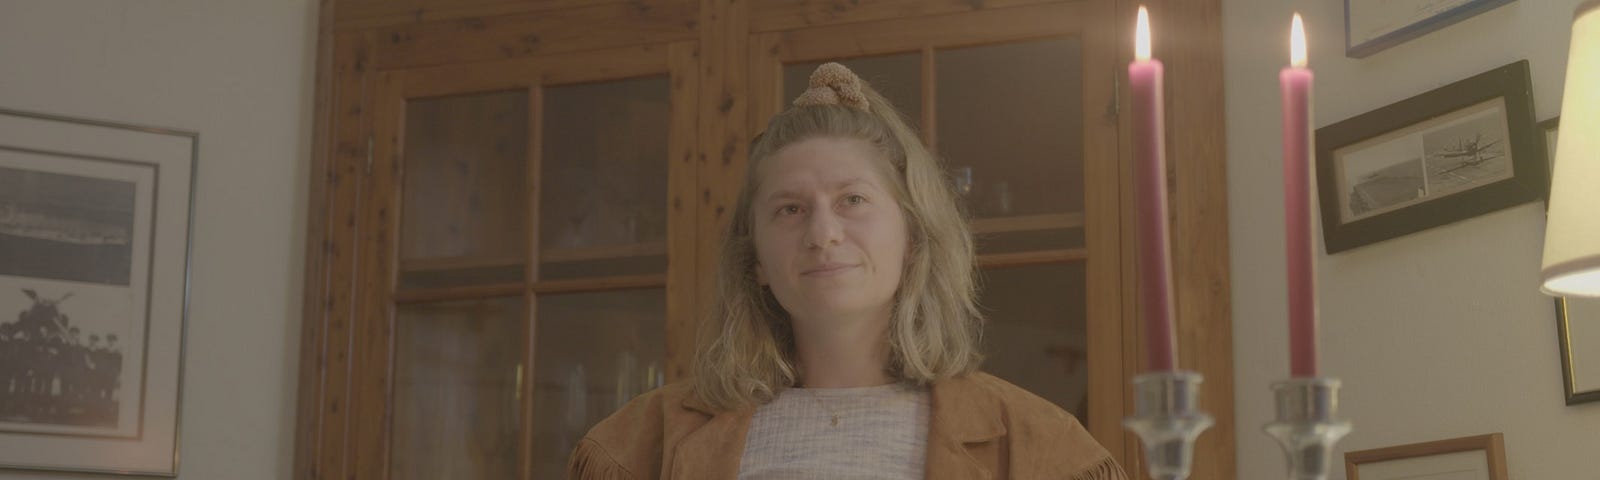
(829, 234)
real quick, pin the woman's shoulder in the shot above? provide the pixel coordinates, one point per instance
(1035, 427)
(1019, 401)
(628, 444)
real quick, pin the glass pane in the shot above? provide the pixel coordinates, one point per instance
(1010, 126)
(456, 404)
(1036, 336)
(464, 201)
(593, 352)
(897, 77)
(603, 184)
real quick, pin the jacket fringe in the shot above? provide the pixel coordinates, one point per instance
(590, 462)
(1105, 469)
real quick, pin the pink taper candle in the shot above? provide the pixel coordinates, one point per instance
(1295, 83)
(1155, 262)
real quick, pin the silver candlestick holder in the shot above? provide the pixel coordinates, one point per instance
(1167, 418)
(1307, 426)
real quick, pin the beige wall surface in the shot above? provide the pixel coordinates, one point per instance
(1438, 334)
(239, 73)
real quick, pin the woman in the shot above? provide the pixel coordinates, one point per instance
(844, 343)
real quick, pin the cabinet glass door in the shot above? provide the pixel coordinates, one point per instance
(1007, 121)
(530, 295)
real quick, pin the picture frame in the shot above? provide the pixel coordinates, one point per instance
(95, 230)
(1577, 320)
(1580, 348)
(1549, 129)
(1453, 153)
(1371, 26)
(1465, 458)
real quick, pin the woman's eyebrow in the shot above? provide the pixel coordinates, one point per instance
(837, 186)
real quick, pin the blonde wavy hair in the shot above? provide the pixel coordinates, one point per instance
(746, 351)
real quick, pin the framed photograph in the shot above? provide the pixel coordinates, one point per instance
(95, 224)
(1578, 324)
(1456, 152)
(1374, 25)
(1481, 457)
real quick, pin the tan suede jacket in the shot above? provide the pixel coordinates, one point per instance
(981, 427)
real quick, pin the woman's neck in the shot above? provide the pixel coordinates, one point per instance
(843, 354)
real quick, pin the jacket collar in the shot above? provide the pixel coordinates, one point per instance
(964, 416)
(714, 449)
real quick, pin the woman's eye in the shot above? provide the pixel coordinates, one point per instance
(855, 199)
(789, 210)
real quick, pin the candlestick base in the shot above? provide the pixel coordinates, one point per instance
(1168, 419)
(1306, 426)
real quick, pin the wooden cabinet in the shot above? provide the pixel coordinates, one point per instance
(516, 207)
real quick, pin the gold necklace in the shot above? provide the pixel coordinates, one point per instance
(818, 400)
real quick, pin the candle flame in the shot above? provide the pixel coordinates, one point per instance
(1141, 39)
(1297, 42)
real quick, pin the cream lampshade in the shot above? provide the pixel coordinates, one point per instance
(1572, 233)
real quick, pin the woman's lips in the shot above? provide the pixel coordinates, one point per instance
(828, 270)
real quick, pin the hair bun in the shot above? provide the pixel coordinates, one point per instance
(833, 84)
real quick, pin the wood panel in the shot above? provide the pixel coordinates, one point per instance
(512, 36)
(320, 250)
(530, 336)
(723, 137)
(929, 123)
(912, 34)
(373, 325)
(776, 15)
(349, 10)
(554, 69)
(1103, 235)
(1200, 204)
(363, 15)
(682, 182)
(766, 81)
(326, 368)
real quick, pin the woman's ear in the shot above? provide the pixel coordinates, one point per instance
(761, 275)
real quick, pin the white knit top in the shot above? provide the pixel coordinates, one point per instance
(881, 433)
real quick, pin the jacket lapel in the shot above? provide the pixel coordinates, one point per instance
(964, 418)
(713, 450)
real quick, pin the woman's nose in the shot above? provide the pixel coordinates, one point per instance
(823, 229)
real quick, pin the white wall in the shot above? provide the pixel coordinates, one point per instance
(239, 73)
(1437, 334)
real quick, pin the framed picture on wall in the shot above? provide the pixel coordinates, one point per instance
(1453, 153)
(1549, 129)
(1578, 325)
(1577, 320)
(1481, 457)
(1374, 25)
(94, 262)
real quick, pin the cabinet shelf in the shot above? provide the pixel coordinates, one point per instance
(1027, 223)
(553, 255)
(603, 252)
(472, 262)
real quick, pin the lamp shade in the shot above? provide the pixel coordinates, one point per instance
(1572, 232)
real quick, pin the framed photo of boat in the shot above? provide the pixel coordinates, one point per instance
(95, 222)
